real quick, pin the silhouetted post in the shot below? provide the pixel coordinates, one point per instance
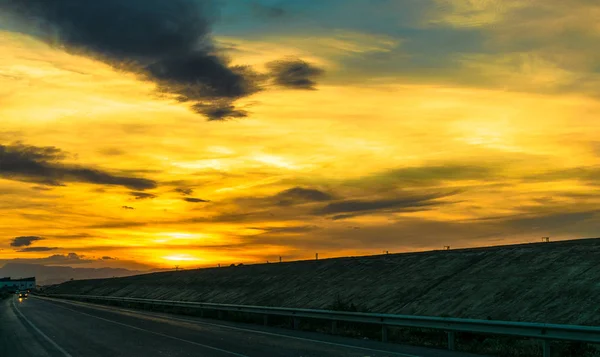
(280, 258)
(451, 338)
(316, 256)
(546, 348)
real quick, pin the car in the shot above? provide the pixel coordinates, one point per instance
(23, 295)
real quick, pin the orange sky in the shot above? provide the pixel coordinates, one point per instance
(470, 123)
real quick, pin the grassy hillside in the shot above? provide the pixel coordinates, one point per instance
(555, 282)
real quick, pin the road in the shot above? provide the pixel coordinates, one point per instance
(42, 327)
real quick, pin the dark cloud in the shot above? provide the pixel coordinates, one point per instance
(194, 200)
(142, 195)
(42, 165)
(108, 258)
(117, 224)
(41, 188)
(300, 195)
(167, 42)
(294, 73)
(37, 249)
(290, 229)
(586, 174)
(24, 241)
(127, 207)
(349, 208)
(219, 111)
(184, 191)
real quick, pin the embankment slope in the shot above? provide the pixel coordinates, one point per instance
(556, 282)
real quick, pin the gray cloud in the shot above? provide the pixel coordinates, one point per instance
(24, 241)
(127, 207)
(167, 42)
(42, 165)
(294, 73)
(37, 249)
(142, 195)
(288, 230)
(184, 191)
(349, 208)
(299, 195)
(586, 174)
(219, 111)
(194, 200)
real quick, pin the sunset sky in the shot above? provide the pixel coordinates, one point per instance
(151, 133)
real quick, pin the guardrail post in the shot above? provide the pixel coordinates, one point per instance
(384, 333)
(451, 340)
(296, 322)
(334, 327)
(546, 348)
(266, 320)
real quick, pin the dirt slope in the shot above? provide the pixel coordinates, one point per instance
(547, 282)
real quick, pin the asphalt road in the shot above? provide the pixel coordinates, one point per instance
(43, 327)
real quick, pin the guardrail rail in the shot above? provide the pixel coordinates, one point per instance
(541, 331)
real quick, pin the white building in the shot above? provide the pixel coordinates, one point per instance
(17, 284)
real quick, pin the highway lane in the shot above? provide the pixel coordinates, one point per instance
(56, 328)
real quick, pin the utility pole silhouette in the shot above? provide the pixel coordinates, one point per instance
(280, 258)
(316, 256)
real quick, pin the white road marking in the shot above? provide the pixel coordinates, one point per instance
(154, 333)
(254, 331)
(60, 349)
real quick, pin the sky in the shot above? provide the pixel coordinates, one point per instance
(152, 134)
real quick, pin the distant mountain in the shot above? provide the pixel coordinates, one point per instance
(47, 275)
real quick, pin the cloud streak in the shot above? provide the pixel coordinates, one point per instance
(24, 241)
(142, 195)
(43, 165)
(350, 208)
(37, 249)
(194, 200)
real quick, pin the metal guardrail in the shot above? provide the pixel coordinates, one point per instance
(544, 332)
